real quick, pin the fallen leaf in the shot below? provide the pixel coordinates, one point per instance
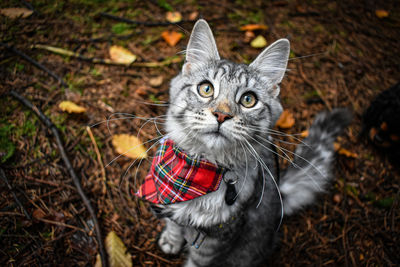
(254, 27)
(259, 42)
(193, 15)
(16, 12)
(248, 36)
(129, 146)
(38, 214)
(342, 151)
(380, 13)
(173, 17)
(286, 120)
(71, 107)
(171, 37)
(116, 250)
(121, 55)
(304, 134)
(156, 81)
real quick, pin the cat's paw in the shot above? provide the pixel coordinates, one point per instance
(170, 243)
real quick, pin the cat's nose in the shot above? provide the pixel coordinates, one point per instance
(221, 117)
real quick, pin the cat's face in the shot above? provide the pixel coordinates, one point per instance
(218, 103)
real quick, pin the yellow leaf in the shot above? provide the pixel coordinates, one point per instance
(71, 107)
(173, 17)
(171, 37)
(259, 42)
(16, 12)
(116, 250)
(380, 13)
(286, 120)
(253, 27)
(129, 146)
(121, 55)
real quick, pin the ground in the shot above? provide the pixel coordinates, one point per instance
(342, 55)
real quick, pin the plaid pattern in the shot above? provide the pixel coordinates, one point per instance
(175, 177)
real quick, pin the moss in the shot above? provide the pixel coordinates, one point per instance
(164, 4)
(7, 147)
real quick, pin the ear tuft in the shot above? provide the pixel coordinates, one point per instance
(272, 62)
(201, 47)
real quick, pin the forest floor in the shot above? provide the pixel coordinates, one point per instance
(342, 55)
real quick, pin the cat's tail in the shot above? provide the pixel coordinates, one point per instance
(311, 169)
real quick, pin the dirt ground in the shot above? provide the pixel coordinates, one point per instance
(342, 55)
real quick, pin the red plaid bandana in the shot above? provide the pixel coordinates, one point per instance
(176, 177)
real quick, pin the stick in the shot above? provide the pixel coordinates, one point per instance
(65, 52)
(35, 63)
(316, 89)
(152, 254)
(48, 123)
(144, 23)
(4, 177)
(96, 149)
(61, 224)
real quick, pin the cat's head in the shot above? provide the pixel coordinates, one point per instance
(215, 103)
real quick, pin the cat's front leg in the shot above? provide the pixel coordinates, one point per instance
(171, 239)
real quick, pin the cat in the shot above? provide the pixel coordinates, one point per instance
(224, 112)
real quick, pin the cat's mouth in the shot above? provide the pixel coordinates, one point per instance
(216, 133)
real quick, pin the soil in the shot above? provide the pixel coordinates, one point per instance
(342, 55)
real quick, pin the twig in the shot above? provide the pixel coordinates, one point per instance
(152, 254)
(35, 63)
(4, 177)
(46, 121)
(10, 213)
(96, 149)
(144, 23)
(310, 83)
(61, 224)
(65, 52)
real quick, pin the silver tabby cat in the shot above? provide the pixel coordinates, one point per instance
(224, 112)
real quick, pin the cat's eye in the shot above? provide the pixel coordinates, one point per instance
(248, 100)
(205, 89)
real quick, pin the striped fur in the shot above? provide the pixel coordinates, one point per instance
(242, 234)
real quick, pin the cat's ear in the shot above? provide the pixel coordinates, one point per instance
(273, 60)
(201, 47)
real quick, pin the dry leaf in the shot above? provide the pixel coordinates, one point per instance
(304, 134)
(16, 12)
(193, 15)
(171, 37)
(121, 55)
(71, 107)
(254, 27)
(380, 13)
(116, 250)
(173, 17)
(38, 214)
(342, 151)
(129, 146)
(286, 120)
(259, 42)
(248, 36)
(156, 81)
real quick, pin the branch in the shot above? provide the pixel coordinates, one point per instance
(35, 63)
(65, 52)
(144, 23)
(48, 123)
(315, 87)
(4, 177)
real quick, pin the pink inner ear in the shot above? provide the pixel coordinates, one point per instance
(186, 68)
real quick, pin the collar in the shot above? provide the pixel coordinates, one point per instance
(175, 176)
